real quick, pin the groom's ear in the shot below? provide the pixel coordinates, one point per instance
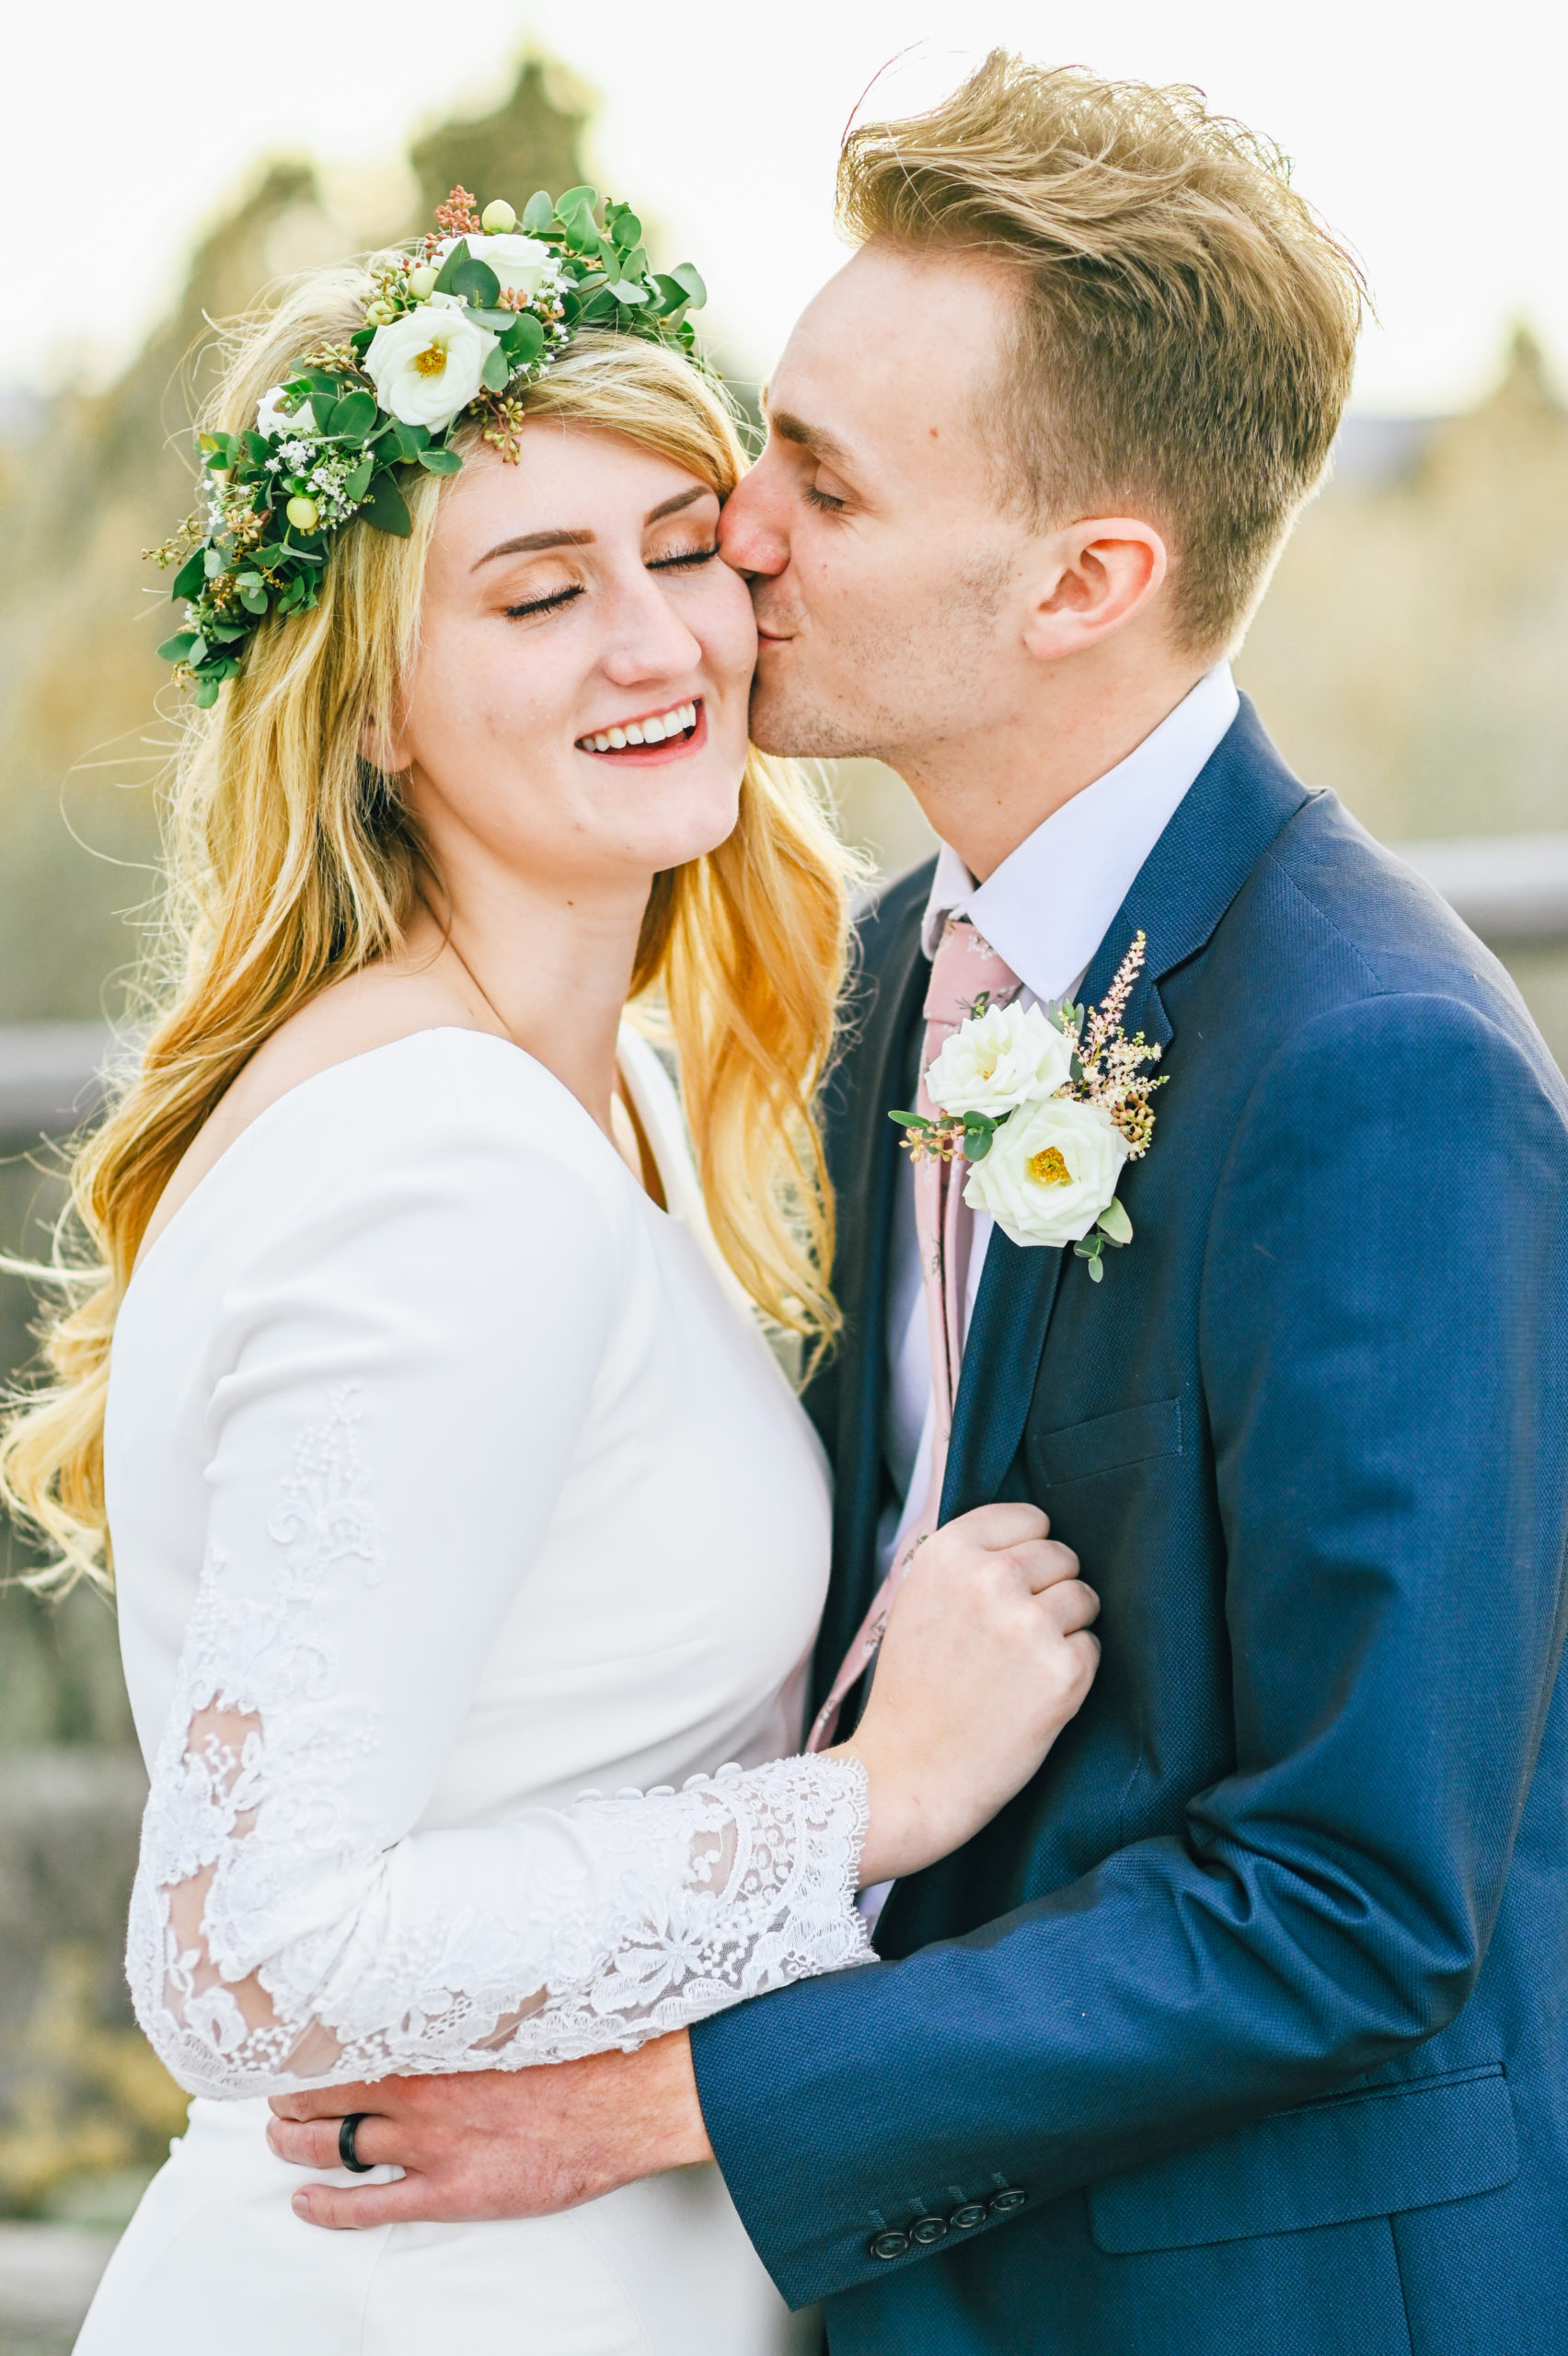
(1091, 578)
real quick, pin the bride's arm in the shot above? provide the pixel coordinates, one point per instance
(403, 1386)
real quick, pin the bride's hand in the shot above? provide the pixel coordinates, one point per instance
(987, 1656)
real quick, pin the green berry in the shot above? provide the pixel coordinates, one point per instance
(498, 220)
(303, 513)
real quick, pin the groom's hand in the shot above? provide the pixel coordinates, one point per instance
(496, 2143)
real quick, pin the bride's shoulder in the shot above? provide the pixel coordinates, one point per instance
(388, 1081)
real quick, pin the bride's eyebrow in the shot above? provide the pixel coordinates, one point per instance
(530, 543)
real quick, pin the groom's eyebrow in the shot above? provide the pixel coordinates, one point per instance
(530, 543)
(814, 438)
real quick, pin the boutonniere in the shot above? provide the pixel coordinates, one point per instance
(1046, 1112)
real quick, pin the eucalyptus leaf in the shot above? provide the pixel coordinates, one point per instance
(687, 275)
(178, 648)
(584, 195)
(626, 291)
(253, 600)
(977, 1144)
(354, 416)
(475, 281)
(537, 211)
(410, 439)
(206, 693)
(1097, 1269)
(525, 340)
(358, 482)
(191, 575)
(441, 462)
(629, 228)
(498, 320)
(446, 283)
(211, 562)
(1115, 1222)
(910, 1120)
(496, 374)
(387, 508)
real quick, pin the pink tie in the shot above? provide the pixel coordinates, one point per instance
(964, 968)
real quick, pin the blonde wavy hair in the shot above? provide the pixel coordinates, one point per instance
(291, 862)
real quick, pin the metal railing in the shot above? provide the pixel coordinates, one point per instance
(1511, 889)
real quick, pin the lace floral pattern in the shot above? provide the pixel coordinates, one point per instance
(278, 1939)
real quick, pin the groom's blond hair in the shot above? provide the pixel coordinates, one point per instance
(1186, 339)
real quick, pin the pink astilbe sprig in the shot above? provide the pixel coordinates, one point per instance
(457, 216)
(1106, 1071)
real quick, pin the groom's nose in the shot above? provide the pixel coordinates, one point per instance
(752, 533)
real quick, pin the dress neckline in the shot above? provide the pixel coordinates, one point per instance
(316, 1080)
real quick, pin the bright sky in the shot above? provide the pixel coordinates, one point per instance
(1431, 138)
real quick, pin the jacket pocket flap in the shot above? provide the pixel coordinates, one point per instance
(1106, 1443)
(1367, 2154)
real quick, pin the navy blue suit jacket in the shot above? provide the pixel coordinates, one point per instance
(1244, 2027)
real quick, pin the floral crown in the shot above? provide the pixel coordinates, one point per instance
(455, 327)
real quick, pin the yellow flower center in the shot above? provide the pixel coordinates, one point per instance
(984, 1071)
(432, 360)
(1048, 1169)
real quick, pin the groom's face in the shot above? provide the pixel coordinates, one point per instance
(885, 572)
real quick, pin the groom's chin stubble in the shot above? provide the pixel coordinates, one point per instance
(795, 727)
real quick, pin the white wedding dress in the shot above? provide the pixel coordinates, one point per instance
(448, 1476)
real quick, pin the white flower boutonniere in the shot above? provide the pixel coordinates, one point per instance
(1047, 1114)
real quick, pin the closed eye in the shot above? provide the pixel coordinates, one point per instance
(557, 598)
(824, 501)
(683, 558)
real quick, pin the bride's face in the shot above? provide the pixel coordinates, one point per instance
(575, 603)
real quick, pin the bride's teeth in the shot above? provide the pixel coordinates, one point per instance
(601, 744)
(615, 739)
(652, 732)
(634, 735)
(688, 715)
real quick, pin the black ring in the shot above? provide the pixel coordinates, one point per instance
(347, 2129)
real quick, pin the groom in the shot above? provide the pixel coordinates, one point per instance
(1244, 2028)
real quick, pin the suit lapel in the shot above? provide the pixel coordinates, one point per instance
(1234, 809)
(867, 1165)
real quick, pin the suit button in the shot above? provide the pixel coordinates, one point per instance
(1003, 2205)
(891, 2245)
(964, 2219)
(927, 2230)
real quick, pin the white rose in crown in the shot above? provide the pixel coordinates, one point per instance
(996, 1061)
(1051, 1172)
(519, 263)
(429, 363)
(275, 420)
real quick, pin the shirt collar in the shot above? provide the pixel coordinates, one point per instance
(1047, 907)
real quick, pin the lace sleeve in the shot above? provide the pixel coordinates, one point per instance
(377, 1484)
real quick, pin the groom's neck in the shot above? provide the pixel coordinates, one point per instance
(986, 791)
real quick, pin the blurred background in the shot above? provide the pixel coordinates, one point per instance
(160, 170)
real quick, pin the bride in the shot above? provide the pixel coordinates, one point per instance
(468, 1543)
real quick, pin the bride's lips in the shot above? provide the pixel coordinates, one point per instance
(654, 757)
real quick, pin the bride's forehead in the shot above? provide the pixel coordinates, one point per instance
(567, 476)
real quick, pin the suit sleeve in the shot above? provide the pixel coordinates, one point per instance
(1384, 1359)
